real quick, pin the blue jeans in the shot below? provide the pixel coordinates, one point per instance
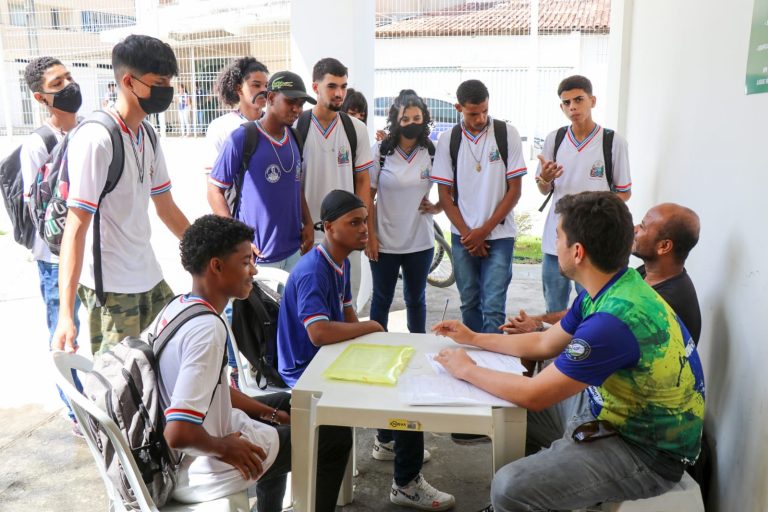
(483, 283)
(557, 287)
(49, 289)
(409, 446)
(384, 272)
(561, 474)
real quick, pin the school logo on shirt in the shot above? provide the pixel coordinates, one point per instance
(425, 173)
(272, 173)
(598, 170)
(494, 156)
(577, 350)
(343, 156)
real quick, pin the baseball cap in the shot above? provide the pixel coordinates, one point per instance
(289, 84)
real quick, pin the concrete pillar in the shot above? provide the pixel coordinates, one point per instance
(343, 29)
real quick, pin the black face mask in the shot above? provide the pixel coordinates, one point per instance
(160, 98)
(68, 99)
(412, 131)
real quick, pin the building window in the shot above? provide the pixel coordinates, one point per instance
(18, 15)
(95, 21)
(55, 19)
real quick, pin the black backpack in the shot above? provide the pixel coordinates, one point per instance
(607, 157)
(254, 324)
(12, 189)
(499, 132)
(250, 143)
(50, 190)
(302, 125)
(125, 382)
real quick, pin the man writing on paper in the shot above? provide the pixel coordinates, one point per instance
(627, 376)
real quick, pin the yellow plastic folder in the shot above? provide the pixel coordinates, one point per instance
(371, 364)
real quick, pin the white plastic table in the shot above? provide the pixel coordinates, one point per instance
(317, 401)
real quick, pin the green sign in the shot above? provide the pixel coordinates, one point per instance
(757, 61)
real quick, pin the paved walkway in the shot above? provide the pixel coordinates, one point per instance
(44, 468)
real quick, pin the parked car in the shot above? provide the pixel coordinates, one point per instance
(444, 114)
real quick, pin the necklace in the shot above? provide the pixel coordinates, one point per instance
(277, 156)
(477, 159)
(139, 141)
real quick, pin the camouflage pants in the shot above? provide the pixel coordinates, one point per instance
(124, 314)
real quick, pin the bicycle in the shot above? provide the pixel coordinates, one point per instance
(441, 271)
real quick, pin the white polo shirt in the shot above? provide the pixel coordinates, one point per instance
(480, 192)
(194, 386)
(400, 186)
(127, 260)
(583, 170)
(218, 131)
(32, 156)
(327, 162)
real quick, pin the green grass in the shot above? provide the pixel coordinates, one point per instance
(528, 249)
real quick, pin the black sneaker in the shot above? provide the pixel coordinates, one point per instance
(470, 438)
(489, 508)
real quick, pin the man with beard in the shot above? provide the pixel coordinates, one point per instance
(271, 199)
(316, 310)
(663, 240)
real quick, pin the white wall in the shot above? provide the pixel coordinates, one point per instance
(697, 139)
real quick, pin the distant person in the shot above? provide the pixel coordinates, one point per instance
(110, 97)
(133, 285)
(356, 105)
(185, 106)
(576, 164)
(242, 86)
(200, 96)
(403, 239)
(618, 416)
(53, 87)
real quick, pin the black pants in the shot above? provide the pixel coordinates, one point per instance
(333, 447)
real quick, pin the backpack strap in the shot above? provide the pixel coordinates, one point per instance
(302, 125)
(114, 172)
(608, 156)
(454, 150)
(500, 133)
(349, 129)
(250, 143)
(559, 136)
(151, 135)
(299, 140)
(384, 148)
(49, 138)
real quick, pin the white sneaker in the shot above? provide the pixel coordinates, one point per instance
(386, 451)
(419, 494)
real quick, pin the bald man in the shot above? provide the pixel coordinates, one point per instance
(663, 240)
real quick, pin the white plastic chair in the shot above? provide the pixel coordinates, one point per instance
(84, 409)
(685, 496)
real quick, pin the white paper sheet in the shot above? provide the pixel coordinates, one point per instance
(444, 390)
(485, 359)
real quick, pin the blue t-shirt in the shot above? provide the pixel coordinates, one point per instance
(271, 194)
(317, 290)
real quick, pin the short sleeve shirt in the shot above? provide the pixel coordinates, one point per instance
(271, 194)
(401, 183)
(482, 177)
(128, 262)
(33, 156)
(583, 170)
(327, 163)
(218, 131)
(317, 290)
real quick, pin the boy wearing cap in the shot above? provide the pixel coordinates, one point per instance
(317, 310)
(271, 197)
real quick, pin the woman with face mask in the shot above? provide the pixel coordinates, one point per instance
(403, 239)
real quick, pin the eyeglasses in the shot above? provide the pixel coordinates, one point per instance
(592, 431)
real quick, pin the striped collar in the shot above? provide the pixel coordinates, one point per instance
(584, 143)
(339, 269)
(274, 141)
(475, 138)
(408, 157)
(194, 299)
(325, 132)
(138, 139)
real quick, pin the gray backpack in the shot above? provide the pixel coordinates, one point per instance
(125, 382)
